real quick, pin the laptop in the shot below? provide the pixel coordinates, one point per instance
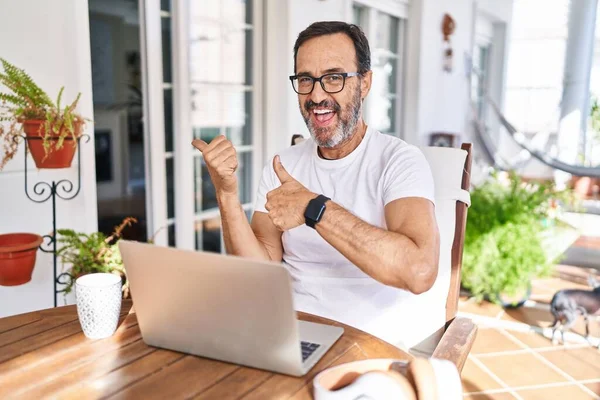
(221, 307)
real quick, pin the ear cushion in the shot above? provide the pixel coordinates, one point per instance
(448, 379)
(404, 385)
(376, 385)
(421, 375)
(373, 379)
(432, 379)
(421, 379)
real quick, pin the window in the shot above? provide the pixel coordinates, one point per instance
(386, 34)
(481, 67)
(223, 101)
(479, 78)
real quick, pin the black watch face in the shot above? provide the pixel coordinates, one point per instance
(314, 210)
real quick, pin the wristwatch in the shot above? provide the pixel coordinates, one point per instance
(315, 210)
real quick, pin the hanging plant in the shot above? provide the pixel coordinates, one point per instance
(52, 131)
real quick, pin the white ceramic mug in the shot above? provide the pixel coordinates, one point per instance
(98, 304)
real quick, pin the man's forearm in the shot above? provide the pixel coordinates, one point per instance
(238, 236)
(388, 257)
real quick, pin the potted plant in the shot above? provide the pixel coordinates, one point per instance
(51, 130)
(92, 253)
(18, 252)
(586, 186)
(506, 237)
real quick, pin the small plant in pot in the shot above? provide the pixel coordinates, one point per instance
(505, 237)
(51, 129)
(92, 253)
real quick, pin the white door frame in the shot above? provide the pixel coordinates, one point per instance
(154, 132)
(182, 129)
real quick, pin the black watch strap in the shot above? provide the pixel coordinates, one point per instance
(315, 210)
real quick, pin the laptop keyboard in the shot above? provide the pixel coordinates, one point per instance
(308, 349)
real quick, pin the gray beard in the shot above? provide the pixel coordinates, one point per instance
(345, 128)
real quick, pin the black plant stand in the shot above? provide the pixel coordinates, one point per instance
(42, 192)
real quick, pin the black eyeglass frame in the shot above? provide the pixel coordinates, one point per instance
(320, 80)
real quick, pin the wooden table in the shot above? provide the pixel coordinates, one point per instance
(45, 354)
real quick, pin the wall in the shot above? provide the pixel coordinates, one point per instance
(60, 56)
(439, 100)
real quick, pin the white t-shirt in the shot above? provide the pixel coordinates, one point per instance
(381, 169)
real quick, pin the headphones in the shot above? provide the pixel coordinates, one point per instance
(388, 379)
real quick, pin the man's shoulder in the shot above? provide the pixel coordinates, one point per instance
(393, 146)
(296, 151)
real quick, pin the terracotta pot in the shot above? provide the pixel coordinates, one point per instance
(586, 187)
(17, 257)
(56, 158)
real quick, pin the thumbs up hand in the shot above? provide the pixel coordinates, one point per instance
(221, 160)
(287, 203)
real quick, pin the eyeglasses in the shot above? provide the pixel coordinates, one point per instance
(331, 83)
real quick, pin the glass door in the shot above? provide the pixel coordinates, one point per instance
(223, 52)
(119, 129)
(201, 59)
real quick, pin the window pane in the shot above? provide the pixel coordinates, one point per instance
(229, 12)
(206, 197)
(220, 42)
(170, 189)
(241, 134)
(236, 11)
(382, 113)
(392, 116)
(168, 104)
(217, 106)
(479, 78)
(208, 235)
(165, 5)
(220, 54)
(171, 239)
(386, 34)
(381, 109)
(207, 134)
(166, 49)
(244, 172)
(358, 15)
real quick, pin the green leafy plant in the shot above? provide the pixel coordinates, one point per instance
(92, 253)
(25, 100)
(503, 247)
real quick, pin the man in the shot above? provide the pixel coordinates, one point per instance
(350, 212)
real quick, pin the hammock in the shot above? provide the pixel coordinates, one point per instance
(487, 146)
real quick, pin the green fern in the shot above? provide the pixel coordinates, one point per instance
(27, 101)
(92, 253)
(23, 86)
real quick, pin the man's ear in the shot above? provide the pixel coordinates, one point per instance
(365, 84)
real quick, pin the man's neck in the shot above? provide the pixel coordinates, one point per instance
(347, 147)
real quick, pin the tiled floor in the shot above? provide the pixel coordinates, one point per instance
(514, 358)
